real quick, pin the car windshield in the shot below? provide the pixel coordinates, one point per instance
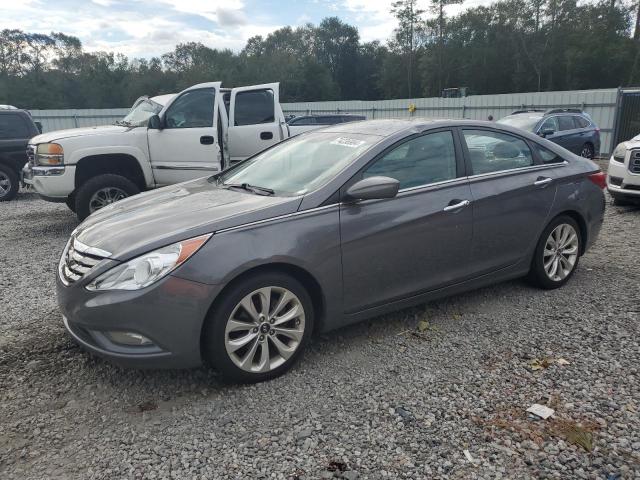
(302, 164)
(139, 114)
(525, 122)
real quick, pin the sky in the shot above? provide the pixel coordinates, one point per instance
(147, 28)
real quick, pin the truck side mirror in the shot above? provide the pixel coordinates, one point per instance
(38, 126)
(154, 122)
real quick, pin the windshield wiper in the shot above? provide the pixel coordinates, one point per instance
(123, 123)
(250, 188)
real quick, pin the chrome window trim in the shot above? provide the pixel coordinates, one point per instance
(530, 168)
(434, 184)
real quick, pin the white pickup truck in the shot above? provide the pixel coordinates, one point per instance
(163, 140)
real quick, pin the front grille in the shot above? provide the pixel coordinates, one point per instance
(634, 162)
(31, 154)
(77, 260)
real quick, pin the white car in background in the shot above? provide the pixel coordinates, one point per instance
(623, 175)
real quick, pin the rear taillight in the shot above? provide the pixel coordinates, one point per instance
(599, 179)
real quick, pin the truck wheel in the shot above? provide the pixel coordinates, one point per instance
(100, 191)
(8, 183)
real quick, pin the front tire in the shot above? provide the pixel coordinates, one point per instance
(100, 191)
(557, 254)
(259, 328)
(9, 183)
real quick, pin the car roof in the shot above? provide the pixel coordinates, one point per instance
(387, 128)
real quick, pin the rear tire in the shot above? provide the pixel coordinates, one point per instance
(234, 339)
(9, 183)
(557, 253)
(100, 191)
(587, 151)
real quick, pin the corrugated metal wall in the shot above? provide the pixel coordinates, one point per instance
(62, 119)
(600, 104)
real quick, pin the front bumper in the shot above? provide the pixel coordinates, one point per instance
(51, 183)
(170, 313)
(621, 181)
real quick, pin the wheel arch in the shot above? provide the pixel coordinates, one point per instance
(114, 163)
(300, 274)
(582, 224)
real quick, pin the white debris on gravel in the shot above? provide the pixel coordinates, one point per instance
(364, 402)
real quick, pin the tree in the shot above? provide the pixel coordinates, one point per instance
(408, 35)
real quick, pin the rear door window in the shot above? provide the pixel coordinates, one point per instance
(565, 122)
(546, 155)
(12, 125)
(495, 152)
(254, 107)
(581, 122)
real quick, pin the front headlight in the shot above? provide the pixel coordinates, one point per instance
(620, 152)
(49, 155)
(148, 268)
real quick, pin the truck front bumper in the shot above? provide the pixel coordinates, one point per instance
(53, 184)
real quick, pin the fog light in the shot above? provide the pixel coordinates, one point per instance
(128, 338)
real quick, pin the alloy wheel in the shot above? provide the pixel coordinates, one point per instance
(561, 252)
(5, 184)
(265, 329)
(105, 196)
(586, 151)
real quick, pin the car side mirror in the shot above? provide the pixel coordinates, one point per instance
(154, 122)
(374, 188)
(38, 126)
(546, 132)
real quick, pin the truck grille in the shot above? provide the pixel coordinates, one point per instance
(634, 162)
(77, 260)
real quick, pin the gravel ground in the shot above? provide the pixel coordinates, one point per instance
(382, 399)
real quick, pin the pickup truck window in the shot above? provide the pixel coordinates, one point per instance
(193, 109)
(12, 125)
(254, 107)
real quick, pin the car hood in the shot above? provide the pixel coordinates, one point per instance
(154, 219)
(77, 132)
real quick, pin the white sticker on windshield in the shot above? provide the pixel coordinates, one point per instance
(348, 142)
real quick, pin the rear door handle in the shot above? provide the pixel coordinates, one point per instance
(266, 135)
(542, 181)
(457, 206)
(206, 140)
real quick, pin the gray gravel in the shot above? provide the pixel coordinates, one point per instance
(377, 400)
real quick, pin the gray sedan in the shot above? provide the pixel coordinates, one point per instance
(320, 231)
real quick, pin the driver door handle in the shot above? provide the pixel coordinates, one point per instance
(457, 206)
(542, 181)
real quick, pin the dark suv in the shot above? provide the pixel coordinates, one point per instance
(570, 128)
(16, 128)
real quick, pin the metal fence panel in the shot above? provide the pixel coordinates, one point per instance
(73, 118)
(600, 104)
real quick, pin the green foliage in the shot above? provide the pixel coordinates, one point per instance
(509, 46)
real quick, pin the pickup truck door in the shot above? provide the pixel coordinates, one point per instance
(256, 120)
(186, 147)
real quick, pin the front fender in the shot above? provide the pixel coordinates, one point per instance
(139, 155)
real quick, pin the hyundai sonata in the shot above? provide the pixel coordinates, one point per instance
(320, 231)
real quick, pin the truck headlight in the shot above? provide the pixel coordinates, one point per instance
(49, 155)
(148, 268)
(620, 152)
